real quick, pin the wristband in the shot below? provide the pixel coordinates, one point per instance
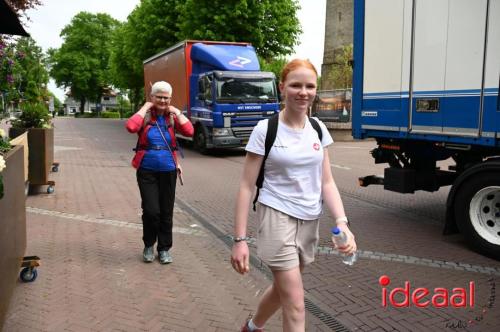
(342, 220)
(239, 239)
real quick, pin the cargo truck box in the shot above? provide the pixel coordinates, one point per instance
(426, 81)
(219, 87)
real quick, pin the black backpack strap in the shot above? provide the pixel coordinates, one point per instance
(316, 127)
(272, 129)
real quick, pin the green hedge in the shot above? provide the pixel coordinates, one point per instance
(84, 115)
(110, 115)
(104, 115)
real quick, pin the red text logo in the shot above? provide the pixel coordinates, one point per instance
(422, 297)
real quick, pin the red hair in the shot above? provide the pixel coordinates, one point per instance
(295, 64)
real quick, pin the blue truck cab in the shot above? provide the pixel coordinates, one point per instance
(219, 86)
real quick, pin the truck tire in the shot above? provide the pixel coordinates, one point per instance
(200, 139)
(477, 212)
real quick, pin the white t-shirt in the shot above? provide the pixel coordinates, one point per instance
(293, 169)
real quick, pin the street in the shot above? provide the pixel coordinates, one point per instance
(398, 235)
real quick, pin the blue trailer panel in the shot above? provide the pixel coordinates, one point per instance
(431, 77)
(426, 85)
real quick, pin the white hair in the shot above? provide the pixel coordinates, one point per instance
(161, 86)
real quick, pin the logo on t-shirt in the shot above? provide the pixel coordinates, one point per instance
(316, 146)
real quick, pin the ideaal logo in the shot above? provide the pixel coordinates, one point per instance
(423, 297)
(440, 297)
(463, 324)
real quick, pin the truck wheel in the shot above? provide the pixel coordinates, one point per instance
(200, 140)
(477, 212)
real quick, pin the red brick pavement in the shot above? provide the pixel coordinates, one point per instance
(92, 278)
(383, 222)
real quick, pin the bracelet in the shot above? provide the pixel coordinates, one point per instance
(342, 219)
(239, 239)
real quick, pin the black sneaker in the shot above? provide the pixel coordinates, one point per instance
(165, 257)
(148, 254)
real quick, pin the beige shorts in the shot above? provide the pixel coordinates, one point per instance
(285, 242)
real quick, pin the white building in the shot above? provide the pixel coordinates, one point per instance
(109, 102)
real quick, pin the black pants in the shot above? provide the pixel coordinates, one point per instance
(158, 196)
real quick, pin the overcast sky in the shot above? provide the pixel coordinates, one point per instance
(52, 16)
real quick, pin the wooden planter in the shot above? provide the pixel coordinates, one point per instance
(14, 132)
(23, 140)
(12, 226)
(41, 153)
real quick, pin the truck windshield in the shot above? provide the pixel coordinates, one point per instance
(246, 90)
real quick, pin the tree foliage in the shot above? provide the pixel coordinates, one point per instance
(274, 65)
(81, 63)
(23, 72)
(271, 26)
(154, 25)
(32, 71)
(20, 6)
(8, 57)
(149, 29)
(340, 75)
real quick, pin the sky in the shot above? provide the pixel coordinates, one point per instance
(47, 21)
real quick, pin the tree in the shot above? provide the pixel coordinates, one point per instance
(150, 28)
(32, 71)
(8, 88)
(23, 5)
(81, 63)
(57, 103)
(23, 72)
(271, 26)
(341, 72)
(274, 65)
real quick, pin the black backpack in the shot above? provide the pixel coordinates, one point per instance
(272, 129)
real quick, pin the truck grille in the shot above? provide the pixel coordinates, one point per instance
(242, 132)
(242, 123)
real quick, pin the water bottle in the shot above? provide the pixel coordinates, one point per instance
(340, 238)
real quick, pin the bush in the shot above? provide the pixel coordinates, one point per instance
(84, 115)
(34, 115)
(127, 114)
(110, 115)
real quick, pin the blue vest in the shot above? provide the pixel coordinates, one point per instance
(158, 157)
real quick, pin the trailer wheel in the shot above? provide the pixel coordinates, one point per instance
(200, 139)
(477, 212)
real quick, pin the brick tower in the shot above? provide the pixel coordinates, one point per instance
(338, 32)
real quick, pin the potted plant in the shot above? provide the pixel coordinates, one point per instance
(12, 218)
(35, 119)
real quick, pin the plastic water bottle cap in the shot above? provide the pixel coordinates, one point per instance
(335, 230)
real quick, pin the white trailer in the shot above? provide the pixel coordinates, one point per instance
(426, 82)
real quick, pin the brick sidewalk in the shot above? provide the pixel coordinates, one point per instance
(92, 278)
